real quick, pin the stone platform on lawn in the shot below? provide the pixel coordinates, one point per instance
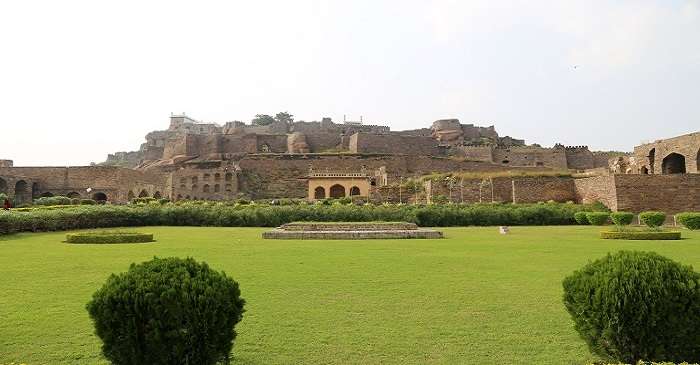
(350, 231)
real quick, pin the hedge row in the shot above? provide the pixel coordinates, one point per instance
(109, 237)
(640, 235)
(100, 216)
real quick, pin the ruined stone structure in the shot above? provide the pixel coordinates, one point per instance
(194, 160)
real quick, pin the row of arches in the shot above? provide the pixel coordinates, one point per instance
(673, 163)
(207, 177)
(335, 191)
(143, 194)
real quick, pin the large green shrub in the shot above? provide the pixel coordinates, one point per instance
(652, 219)
(167, 311)
(598, 218)
(87, 202)
(581, 218)
(109, 237)
(622, 218)
(53, 200)
(689, 220)
(634, 306)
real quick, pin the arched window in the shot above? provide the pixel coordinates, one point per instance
(319, 193)
(354, 191)
(179, 196)
(644, 170)
(205, 188)
(143, 194)
(217, 177)
(217, 188)
(194, 187)
(130, 195)
(183, 180)
(228, 187)
(206, 177)
(157, 195)
(652, 157)
(22, 194)
(674, 163)
(264, 148)
(35, 190)
(183, 186)
(229, 176)
(337, 191)
(194, 180)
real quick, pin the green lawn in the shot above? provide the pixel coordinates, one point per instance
(476, 297)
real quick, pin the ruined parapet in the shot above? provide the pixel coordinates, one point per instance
(6, 163)
(448, 131)
(296, 143)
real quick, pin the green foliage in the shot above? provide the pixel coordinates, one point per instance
(87, 202)
(109, 237)
(144, 200)
(581, 218)
(598, 218)
(689, 220)
(262, 119)
(652, 219)
(203, 213)
(622, 218)
(53, 200)
(636, 305)
(167, 311)
(640, 235)
(284, 117)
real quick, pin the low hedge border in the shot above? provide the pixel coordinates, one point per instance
(109, 237)
(632, 235)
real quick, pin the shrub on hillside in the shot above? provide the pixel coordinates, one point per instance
(689, 220)
(622, 218)
(598, 218)
(581, 218)
(167, 311)
(87, 202)
(652, 219)
(634, 306)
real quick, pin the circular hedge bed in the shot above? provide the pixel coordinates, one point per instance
(640, 235)
(109, 237)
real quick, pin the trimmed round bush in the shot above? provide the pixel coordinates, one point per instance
(167, 311)
(634, 306)
(109, 237)
(87, 202)
(689, 220)
(652, 219)
(598, 218)
(581, 218)
(622, 218)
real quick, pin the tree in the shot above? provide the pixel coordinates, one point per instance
(284, 117)
(263, 119)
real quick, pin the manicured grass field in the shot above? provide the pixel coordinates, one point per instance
(476, 297)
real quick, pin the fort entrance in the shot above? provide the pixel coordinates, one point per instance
(674, 163)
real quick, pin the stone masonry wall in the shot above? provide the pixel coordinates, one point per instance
(395, 144)
(598, 188)
(543, 189)
(667, 193)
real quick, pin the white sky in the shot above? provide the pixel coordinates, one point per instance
(80, 79)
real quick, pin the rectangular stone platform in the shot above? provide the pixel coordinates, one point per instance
(352, 235)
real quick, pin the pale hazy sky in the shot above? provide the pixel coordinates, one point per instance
(80, 79)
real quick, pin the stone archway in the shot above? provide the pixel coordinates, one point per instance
(73, 195)
(674, 163)
(157, 195)
(35, 190)
(22, 193)
(354, 191)
(99, 197)
(337, 191)
(143, 194)
(3, 186)
(130, 195)
(652, 157)
(320, 193)
(644, 170)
